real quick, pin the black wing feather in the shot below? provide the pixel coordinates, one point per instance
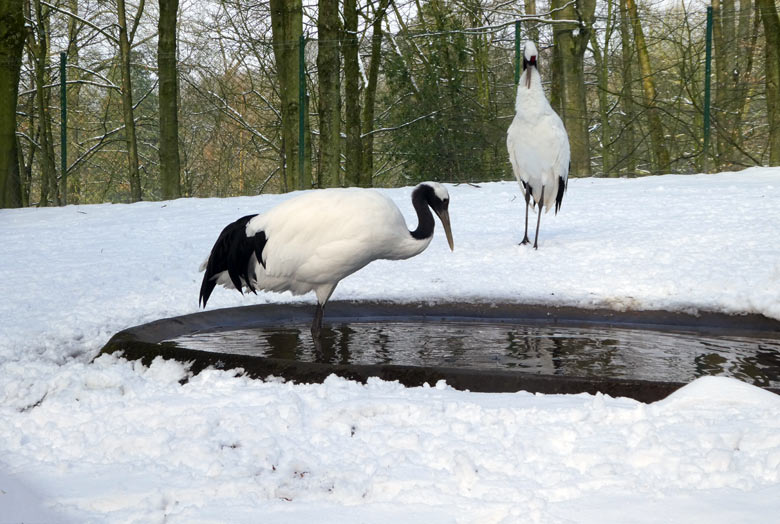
(561, 190)
(232, 253)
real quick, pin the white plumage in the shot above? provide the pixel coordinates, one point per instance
(537, 143)
(312, 241)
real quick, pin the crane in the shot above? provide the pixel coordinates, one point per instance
(537, 143)
(314, 240)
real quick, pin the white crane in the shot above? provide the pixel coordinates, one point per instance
(312, 241)
(537, 143)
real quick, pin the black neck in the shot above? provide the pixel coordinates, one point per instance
(424, 216)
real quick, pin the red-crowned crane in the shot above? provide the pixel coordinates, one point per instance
(537, 143)
(312, 241)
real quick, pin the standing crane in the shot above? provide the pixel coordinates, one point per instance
(312, 241)
(537, 143)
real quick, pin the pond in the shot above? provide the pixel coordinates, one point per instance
(535, 347)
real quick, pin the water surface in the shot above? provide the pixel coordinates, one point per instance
(604, 352)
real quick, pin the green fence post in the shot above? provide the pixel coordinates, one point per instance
(63, 119)
(707, 74)
(517, 52)
(301, 108)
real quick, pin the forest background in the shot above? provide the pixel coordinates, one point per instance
(239, 97)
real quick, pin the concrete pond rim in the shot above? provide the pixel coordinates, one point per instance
(148, 341)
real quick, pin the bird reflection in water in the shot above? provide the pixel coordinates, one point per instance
(331, 347)
(571, 351)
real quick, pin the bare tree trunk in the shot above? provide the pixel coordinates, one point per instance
(771, 22)
(627, 142)
(328, 71)
(127, 105)
(568, 67)
(26, 165)
(287, 23)
(73, 96)
(349, 46)
(170, 177)
(12, 36)
(602, 76)
(661, 163)
(532, 28)
(42, 79)
(369, 100)
(722, 112)
(481, 53)
(747, 37)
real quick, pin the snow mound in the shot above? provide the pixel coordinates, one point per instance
(720, 391)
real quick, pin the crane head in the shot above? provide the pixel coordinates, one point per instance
(439, 201)
(529, 60)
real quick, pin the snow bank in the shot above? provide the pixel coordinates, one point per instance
(114, 441)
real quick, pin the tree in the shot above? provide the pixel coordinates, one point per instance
(170, 179)
(39, 44)
(438, 124)
(349, 48)
(733, 50)
(287, 24)
(602, 76)
(570, 43)
(329, 103)
(723, 40)
(12, 37)
(661, 163)
(127, 99)
(369, 100)
(532, 27)
(771, 21)
(73, 95)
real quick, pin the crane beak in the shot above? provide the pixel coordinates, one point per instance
(444, 216)
(531, 63)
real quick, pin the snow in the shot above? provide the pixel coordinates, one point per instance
(115, 441)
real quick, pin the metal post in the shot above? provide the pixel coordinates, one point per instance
(517, 52)
(707, 74)
(301, 108)
(63, 122)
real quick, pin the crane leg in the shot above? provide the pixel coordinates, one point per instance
(525, 237)
(540, 207)
(316, 325)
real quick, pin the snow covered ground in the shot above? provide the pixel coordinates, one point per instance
(113, 441)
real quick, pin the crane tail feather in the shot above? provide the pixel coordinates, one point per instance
(561, 190)
(233, 252)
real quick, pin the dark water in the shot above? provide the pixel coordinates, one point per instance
(586, 352)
